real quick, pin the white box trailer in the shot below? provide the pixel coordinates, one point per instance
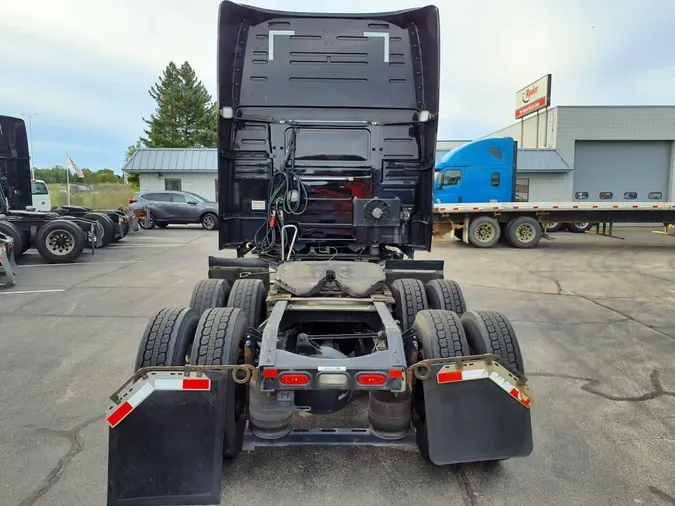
(523, 224)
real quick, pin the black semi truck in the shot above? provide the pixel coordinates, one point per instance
(61, 234)
(326, 143)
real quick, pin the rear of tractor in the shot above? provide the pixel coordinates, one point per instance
(325, 173)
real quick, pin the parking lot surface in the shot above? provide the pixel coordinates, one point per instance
(594, 318)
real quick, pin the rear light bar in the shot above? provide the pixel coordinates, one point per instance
(332, 378)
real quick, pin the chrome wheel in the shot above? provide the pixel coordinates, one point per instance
(60, 242)
(209, 222)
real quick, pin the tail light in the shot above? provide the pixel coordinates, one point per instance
(294, 378)
(370, 379)
(132, 201)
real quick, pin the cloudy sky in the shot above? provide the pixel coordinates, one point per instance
(85, 65)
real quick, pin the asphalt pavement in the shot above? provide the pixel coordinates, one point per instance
(594, 319)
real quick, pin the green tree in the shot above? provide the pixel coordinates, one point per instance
(185, 114)
(133, 179)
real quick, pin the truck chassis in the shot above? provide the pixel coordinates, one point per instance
(231, 371)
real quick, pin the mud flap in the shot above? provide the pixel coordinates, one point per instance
(470, 421)
(169, 449)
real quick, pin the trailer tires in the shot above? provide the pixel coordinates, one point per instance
(554, 226)
(208, 294)
(167, 339)
(489, 332)
(524, 232)
(219, 340)
(445, 294)
(579, 228)
(250, 296)
(107, 229)
(484, 232)
(410, 297)
(10, 229)
(60, 241)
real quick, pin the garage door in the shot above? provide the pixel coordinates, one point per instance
(621, 170)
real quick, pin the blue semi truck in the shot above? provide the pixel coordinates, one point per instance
(475, 195)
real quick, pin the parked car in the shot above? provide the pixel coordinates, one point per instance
(167, 207)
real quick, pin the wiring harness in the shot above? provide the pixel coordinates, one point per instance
(287, 196)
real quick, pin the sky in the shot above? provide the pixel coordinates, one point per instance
(84, 67)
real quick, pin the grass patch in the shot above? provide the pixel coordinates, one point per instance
(97, 197)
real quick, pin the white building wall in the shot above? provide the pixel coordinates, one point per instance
(549, 187)
(536, 131)
(201, 183)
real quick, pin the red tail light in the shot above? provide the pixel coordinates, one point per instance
(294, 378)
(371, 379)
(132, 201)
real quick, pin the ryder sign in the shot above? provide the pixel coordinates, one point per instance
(534, 97)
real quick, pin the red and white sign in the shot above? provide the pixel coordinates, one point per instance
(534, 97)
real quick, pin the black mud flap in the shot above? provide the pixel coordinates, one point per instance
(470, 421)
(169, 449)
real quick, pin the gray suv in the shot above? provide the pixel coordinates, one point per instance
(166, 207)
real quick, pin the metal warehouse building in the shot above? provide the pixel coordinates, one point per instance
(613, 153)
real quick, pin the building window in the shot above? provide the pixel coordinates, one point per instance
(495, 179)
(452, 177)
(606, 195)
(630, 195)
(655, 195)
(522, 190)
(172, 183)
(581, 195)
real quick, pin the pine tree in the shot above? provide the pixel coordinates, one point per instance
(185, 116)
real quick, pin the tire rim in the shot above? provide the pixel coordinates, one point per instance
(526, 233)
(582, 225)
(551, 224)
(148, 222)
(60, 242)
(209, 222)
(485, 232)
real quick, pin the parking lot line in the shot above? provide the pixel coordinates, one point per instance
(169, 245)
(82, 263)
(33, 291)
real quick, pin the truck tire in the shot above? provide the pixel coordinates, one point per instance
(440, 335)
(60, 241)
(445, 294)
(409, 298)
(107, 230)
(12, 231)
(484, 232)
(208, 294)
(579, 228)
(167, 339)
(250, 296)
(489, 332)
(554, 226)
(219, 340)
(524, 232)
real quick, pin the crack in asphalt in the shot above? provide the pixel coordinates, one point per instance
(661, 494)
(591, 383)
(76, 446)
(465, 483)
(626, 315)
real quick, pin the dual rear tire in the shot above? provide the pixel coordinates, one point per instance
(521, 232)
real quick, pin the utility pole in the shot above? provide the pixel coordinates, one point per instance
(30, 136)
